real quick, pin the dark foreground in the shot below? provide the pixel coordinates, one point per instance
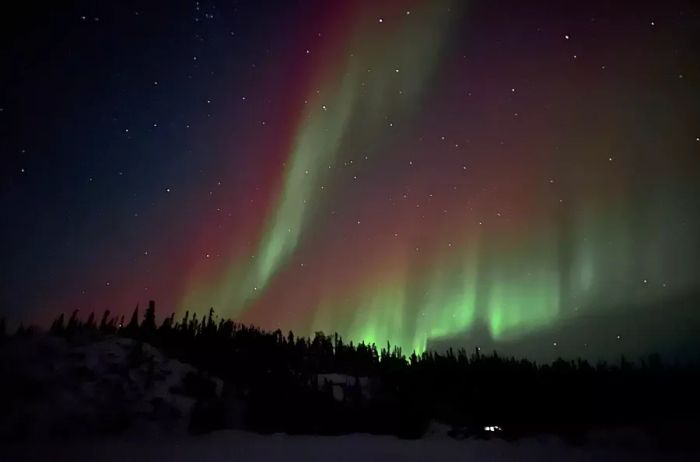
(623, 445)
(221, 391)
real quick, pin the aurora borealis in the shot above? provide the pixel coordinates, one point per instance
(424, 173)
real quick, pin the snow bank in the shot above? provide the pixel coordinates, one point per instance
(241, 446)
(54, 388)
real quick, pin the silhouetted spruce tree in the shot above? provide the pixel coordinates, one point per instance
(90, 323)
(73, 323)
(185, 321)
(104, 323)
(132, 329)
(148, 326)
(110, 326)
(167, 324)
(57, 326)
(194, 325)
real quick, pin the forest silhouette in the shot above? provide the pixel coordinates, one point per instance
(276, 382)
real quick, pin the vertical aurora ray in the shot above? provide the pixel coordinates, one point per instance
(346, 113)
(341, 114)
(450, 232)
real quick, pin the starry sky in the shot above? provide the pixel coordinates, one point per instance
(505, 174)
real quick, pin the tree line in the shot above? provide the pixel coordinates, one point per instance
(274, 378)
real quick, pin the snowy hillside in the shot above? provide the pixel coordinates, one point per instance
(117, 399)
(55, 388)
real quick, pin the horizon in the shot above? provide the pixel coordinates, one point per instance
(478, 342)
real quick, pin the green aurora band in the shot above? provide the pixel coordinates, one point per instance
(343, 114)
(579, 246)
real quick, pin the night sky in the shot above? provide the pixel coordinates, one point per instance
(519, 175)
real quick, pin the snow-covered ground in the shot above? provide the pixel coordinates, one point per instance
(60, 399)
(240, 446)
(52, 387)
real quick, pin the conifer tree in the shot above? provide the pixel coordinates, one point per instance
(73, 323)
(132, 328)
(148, 327)
(57, 327)
(104, 322)
(90, 324)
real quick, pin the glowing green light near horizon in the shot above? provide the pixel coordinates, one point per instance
(554, 261)
(515, 293)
